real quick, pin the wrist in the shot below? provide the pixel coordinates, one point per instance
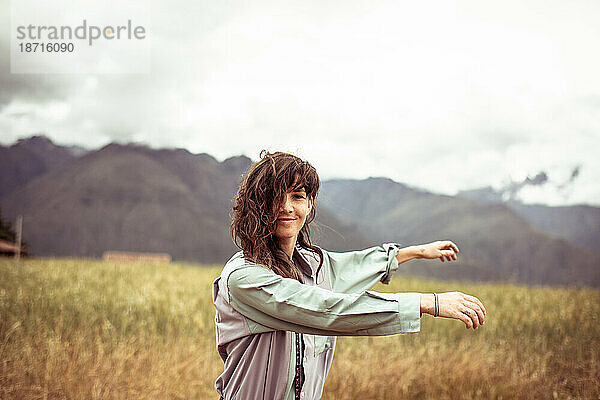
(407, 254)
(427, 303)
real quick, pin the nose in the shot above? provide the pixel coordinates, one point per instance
(286, 207)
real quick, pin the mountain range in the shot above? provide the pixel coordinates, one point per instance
(496, 242)
(130, 197)
(79, 202)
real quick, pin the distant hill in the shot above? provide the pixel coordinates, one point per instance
(496, 243)
(129, 197)
(28, 158)
(579, 224)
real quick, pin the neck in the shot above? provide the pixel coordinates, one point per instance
(287, 245)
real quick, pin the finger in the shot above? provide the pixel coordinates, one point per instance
(455, 247)
(461, 317)
(442, 258)
(475, 307)
(472, 316)
(476, 300)
(465, 318)
(449, 245)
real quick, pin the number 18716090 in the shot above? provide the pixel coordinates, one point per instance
(34, 47)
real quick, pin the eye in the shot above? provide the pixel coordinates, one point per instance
(299, 196)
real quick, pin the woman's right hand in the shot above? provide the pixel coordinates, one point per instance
(456, 305)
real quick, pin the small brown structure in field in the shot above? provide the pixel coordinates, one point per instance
(129, 256)
(8, 249)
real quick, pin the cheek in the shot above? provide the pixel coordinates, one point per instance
(305, 213)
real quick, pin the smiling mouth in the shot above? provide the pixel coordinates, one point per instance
(286, 219)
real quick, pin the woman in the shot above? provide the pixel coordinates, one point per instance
(281, 301)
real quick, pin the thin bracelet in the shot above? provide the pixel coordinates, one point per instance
(437, 306)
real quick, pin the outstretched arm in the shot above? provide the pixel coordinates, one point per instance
(356, 271)
(286, 304)
(445, 250)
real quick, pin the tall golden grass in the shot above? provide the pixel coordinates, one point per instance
(81, 329)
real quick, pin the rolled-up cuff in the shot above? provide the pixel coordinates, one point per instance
(409, 310)
(392, 265)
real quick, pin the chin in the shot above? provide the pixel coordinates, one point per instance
(284, 235)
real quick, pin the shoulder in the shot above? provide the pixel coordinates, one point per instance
(239, 272)
(236, 262)
(238, 267)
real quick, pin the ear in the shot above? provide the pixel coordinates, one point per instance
(310, 203)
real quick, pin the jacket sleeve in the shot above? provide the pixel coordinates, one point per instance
(286, 304)
(356, 271)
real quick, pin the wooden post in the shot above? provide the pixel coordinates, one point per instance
(18, 238)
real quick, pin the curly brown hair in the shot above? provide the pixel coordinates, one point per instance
(257, 206)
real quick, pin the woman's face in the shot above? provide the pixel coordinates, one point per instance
(292, 214)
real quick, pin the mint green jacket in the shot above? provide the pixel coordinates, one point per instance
(258, 311)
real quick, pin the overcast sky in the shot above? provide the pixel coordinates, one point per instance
(442, 95)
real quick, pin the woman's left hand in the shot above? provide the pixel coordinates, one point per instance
(445, 250)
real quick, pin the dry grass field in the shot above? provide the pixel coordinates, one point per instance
(81, 329)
